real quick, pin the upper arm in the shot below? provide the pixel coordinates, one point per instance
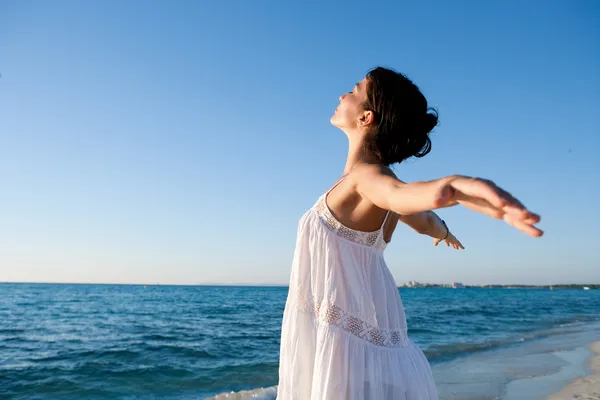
(378, 184)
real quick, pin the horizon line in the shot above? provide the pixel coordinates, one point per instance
(273, 284)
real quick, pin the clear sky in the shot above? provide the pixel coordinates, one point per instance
(180, 142)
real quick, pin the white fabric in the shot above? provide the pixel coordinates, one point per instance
(344, 332)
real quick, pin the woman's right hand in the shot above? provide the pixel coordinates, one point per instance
(486, 197)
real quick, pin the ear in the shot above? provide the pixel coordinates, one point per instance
(367, 118)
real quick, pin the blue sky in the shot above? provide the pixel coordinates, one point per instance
(180, 142)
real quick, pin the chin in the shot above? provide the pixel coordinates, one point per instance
(333, 120)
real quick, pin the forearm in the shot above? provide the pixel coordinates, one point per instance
(435, 226)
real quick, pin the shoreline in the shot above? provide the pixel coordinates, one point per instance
(587, 387)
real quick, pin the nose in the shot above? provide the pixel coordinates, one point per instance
(342, 97)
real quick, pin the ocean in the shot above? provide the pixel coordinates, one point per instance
(87, 341)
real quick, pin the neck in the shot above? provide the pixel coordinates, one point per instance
(356, 153)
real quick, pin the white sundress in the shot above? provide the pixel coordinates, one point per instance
(344, 332)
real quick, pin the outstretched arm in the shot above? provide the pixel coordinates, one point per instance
(381, 187)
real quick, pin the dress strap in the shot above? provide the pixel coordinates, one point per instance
(335, 184)
(380, 236)
(385, 219)
(339, 181)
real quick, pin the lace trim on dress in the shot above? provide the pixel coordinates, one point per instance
(334, 315)
(365, 238)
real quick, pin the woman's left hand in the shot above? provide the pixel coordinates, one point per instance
(451, 240)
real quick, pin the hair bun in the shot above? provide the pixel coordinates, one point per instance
(429, 121)
(418, 145)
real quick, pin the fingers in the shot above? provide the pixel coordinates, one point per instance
(455, 244)
(450, 241)
(493, 194)
(522, 220)
(532, 219)
(487, 191)
(512, 204)
(481, 189)
(525, 226)
(524, 223)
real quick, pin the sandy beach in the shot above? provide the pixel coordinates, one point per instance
(586, 388)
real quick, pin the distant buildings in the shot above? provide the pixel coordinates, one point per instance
(415, 284)
(459, 285)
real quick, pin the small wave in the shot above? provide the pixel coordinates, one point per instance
(470, 312)
(181, 351)
(250, 337)
(577, 320)
(15, 339)
(151, 372)
(11, 331)
(452, 350)
(116, 353)
(540, 335)
(269, 393)
(161, 337)
(420, 331)
(576, 323)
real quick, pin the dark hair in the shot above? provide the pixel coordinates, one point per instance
(402, 118)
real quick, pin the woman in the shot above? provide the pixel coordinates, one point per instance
(344, 333)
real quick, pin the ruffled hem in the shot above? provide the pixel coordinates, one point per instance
(334, 364)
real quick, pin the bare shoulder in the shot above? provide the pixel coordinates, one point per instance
(376, 183)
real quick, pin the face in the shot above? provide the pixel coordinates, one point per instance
(350, 114)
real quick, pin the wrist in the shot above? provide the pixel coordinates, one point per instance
(447, 230)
